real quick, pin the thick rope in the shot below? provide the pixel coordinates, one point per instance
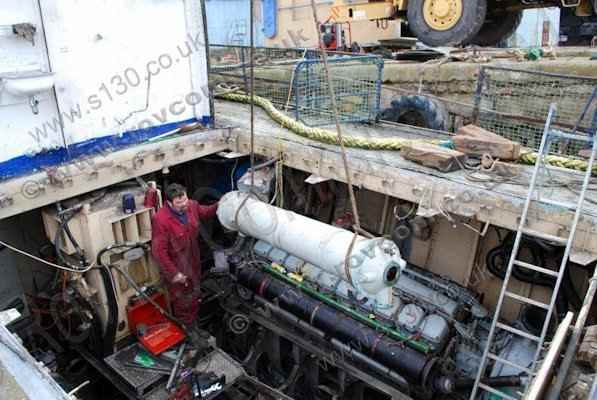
(328, 78)
(328, 137)
(324, 135)
(530, 158)
(340, 141)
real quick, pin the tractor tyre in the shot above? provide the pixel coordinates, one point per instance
(446, 22)
(497, 28)
(418, 111)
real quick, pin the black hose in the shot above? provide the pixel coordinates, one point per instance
(413, 365)
(63, 228)
(112, 323)
(97, 339)
(136, 287)
(340, 346)
(503, 253)
(70, 236)
(65, 217)
(537, 249)
(498, 381)
(570, 292)
(497, 262)
(208, 160)
(402, 237)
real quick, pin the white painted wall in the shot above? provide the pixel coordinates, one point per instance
(19, 55)
(93, 46)
(530, 30)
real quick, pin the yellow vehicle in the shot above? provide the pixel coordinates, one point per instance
(453, 22)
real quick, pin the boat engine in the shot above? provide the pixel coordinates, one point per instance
(406, 324)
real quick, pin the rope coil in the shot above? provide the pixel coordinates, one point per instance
(328, 137)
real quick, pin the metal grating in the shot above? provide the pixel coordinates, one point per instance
(139, 380)
(294, 81)
(514, 104)
(357, 87)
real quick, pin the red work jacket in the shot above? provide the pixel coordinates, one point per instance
(175, 245)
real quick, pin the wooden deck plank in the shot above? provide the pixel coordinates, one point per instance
(69, 180)
(387, 172)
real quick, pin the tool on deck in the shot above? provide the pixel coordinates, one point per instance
(204, 385)
(164, 371)
(176, 368)
(198, 385)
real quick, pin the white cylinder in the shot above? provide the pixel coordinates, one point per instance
(374, 264)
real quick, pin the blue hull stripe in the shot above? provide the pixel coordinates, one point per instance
(23, 165)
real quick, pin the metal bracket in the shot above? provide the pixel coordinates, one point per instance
(93, 174)
(5, 200)
(179, 148)
(139, 160)
(59, 178)
(570, 3)
(159, 155)
(26, 31)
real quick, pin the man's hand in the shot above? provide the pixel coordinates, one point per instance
(180, 278)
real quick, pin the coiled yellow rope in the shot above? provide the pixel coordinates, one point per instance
(530, 158)
(329, 137)
(324, 135)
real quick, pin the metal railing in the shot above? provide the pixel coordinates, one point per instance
(294, 81)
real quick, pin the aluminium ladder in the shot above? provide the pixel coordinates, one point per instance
(577, 207)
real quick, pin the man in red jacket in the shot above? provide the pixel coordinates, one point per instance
(175, 246)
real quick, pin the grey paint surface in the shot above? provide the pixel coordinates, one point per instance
(21, 377)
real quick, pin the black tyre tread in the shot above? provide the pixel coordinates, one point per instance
(434, 114)
(491, 33)
(473, 17)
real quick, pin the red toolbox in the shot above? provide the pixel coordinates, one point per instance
(154, 331)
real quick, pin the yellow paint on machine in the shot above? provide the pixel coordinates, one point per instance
(362, 12)
(442, 15)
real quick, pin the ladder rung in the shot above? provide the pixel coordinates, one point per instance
(496, 392)
(562, 204)
(545, 271)
(583, 138)
(526, 300)
(518, 332)
(510, 363)
(564, 170)
(544, 236)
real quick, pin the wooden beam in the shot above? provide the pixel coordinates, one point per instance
(469, 200)
(473, 140)
(82, 176)
(429, 155)
(588, 353)
(540, 382)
